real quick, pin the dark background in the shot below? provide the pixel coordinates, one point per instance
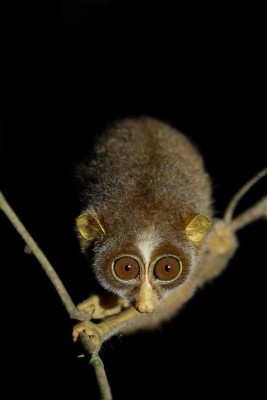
(69, 68)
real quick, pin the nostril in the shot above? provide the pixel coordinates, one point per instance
(145, 308)
(140, 308)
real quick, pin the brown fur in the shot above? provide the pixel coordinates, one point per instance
(144, 176)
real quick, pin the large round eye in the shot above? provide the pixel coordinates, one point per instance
(126, 268)
(168, 268)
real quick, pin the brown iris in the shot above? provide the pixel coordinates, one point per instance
(167, 268)
(126, 268)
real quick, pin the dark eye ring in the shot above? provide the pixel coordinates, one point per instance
(168, 268)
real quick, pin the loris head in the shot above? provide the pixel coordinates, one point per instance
(142, 266)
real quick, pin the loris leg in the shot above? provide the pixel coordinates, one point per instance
(220, 247)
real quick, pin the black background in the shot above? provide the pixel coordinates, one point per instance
(69, 68)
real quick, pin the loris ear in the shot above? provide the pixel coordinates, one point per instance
(89, 227)
(198, 227)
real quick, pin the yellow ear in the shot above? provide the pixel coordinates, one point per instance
(198, 227)
(89, 226)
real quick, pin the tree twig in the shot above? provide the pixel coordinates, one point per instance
(47, 267)
(258, 210)
(98, 365)
(229, 212)
(70, 307)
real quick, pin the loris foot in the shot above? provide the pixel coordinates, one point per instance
(90, 329)
(100, 307)
(222, 239)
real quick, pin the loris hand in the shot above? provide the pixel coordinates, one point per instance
(90, 329)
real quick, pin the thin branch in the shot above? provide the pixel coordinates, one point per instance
(70, 307)
(259, 210)
(98, 365)
(47, 267)
(228, 215)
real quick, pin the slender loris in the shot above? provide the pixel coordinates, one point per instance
(147, 211)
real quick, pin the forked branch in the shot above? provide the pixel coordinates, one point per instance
(259, 212)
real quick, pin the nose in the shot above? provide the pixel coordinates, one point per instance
(145, 308)
(146, 299)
